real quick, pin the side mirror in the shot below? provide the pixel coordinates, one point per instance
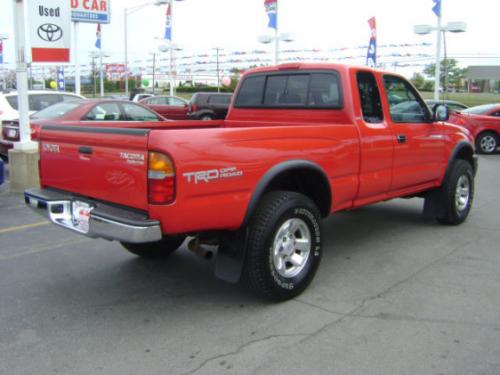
(441, 112)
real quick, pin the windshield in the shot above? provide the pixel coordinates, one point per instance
(479, 110)
(55, 111)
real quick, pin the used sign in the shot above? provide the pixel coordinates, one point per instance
(94, 11)
(49, 28)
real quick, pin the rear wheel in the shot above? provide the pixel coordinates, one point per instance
(158, 249)
(486, 143)
(457, 193)
(206, 118)
(284, 246)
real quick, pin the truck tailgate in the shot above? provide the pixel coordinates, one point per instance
(107, 164)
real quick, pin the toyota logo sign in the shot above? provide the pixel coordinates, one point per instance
(50, 32)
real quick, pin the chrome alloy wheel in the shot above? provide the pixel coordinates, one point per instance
(488, 144)
(291, 247)
(462, 193)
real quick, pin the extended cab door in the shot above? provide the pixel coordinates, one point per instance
(376, 136)
(418, 143)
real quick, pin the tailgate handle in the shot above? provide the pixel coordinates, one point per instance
(85, 150)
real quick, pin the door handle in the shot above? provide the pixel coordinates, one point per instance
(401, 138)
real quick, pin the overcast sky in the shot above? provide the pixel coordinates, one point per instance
(199, 25)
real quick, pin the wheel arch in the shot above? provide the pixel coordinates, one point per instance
(463, 150)
(301, 176)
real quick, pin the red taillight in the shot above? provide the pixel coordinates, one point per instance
(35, 132)
(161, 179)
(193, 108)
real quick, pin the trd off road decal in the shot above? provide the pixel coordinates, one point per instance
(213, 174)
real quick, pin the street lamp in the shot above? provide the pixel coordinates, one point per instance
(170, 47)
(452, 27)
(284, 37)
(218, 49)
(99, 54)
(126, 13)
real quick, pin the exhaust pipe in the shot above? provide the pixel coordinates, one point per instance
(197, 248)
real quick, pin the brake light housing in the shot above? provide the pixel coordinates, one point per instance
(161, 178)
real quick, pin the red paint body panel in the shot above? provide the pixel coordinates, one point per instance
(171, 112)
(363, 161)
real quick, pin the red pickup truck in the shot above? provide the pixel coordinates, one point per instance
(300, 142)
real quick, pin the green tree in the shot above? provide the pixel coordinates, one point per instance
(418, 80)
(450, 72)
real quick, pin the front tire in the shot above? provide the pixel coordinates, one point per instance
(487, 143)
(158, 249)
(284, 246)
(457, 193)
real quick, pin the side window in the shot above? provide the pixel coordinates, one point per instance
(251, 91)
(404, 103)
(286, 90)
(157, 101)
(369, 95)
(175, 101)
(220, 99)
(37, 102)
(324, 91)
(104, 112)
(135, 112)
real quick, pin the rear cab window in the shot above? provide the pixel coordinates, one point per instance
(298, 89)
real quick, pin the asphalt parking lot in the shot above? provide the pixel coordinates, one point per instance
(395, 294)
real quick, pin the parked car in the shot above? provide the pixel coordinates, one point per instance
(113, 113)
(38, 100)
(209, 106)
(300, 142)
(171, 107)
(483, 122)
(410, 105)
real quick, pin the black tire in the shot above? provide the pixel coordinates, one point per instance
(260, 272)
(457, 193)
(158, 249)
(206, 117)
(486, 143)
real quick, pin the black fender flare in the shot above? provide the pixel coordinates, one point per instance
(459, 147)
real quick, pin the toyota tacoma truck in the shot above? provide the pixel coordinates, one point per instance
(300, 142)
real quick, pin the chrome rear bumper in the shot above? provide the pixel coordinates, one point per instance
(104, 221)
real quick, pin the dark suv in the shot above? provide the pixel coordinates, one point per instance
(209, 106)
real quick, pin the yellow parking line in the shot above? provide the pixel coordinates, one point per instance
(22, 227)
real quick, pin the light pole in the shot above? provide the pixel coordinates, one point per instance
(217, 49)
(453, 27)
(126, 13)
(94, 55)
(284, 37)
(154, 70)
(171, 47)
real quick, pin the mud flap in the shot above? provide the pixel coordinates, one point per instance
(231, 256)
(433, 204)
